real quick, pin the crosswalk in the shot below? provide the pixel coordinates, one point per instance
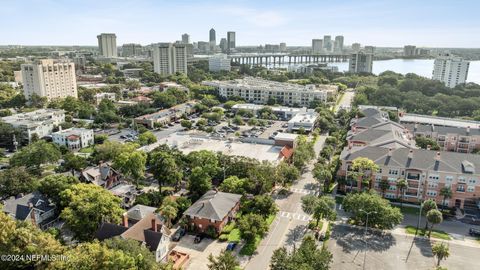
(303, 191)
(295, 216)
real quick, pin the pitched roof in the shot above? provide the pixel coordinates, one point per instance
(442, 130)
(386, 134)
(139, 211)
(109, 230)
(213, 205)
(422, 159)
(142, 231)
(20, 209)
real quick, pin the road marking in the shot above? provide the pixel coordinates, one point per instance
(295, 216)
(303, 191)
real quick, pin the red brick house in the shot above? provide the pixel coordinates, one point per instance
(212, 211)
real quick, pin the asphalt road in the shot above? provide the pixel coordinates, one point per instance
(290, 223)
(392, 251)
(346, 100)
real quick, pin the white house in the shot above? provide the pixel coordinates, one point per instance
(74, 138)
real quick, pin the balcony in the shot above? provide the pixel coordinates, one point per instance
(411, 193)
(464, 140)
(463, 145)
(413, 184)
(411, 176)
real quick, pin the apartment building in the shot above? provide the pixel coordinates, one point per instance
(49, 78)
(74, 138)
(131, 50)
(107, 44)
(360, 62)
(219, 62)
(40, 122)
(165, 116)
(426, 172)
(170, 58)
(450, 70)
(453, 139)
(260, 91)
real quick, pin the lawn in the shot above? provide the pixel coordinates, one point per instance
(249, 248)
(409, 210)
(435, 234)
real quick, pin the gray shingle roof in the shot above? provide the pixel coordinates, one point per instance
(139, 211)
(387, 134)
(213, 205)
(19, 208)
(421, 159)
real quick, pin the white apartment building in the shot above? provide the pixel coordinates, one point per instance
(360, 62)
(101, 96)
(107, 44)
(49, 78)
(219, 62)
(73, 138)
(450, 70)
(260, 91)
(317, 45)
(170, 58)
(40, 122)
(131, 50)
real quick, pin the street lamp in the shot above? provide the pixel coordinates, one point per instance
(365, 234)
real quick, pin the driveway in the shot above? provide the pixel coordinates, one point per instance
(199, 252)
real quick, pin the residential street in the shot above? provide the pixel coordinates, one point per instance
(291, 221)
(346, 101)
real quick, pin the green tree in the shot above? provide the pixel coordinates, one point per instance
(384, 185)
(186, 124)
(74, 163)
(426, 207)
(165, 169)
(169, 211)
(308, 203)
(287, 174)
(54, 184)
(36, 154)
(434, 217)
(441, 251)
(17, 180)
(251, 226)
(86, 206)
(233, 184)
(224, 261)
(424, 142)
(147, 138)
(109, 150)
(304, 152)
(207, 160)
(131, 164)
(324, 208)
(144, 259)
(446, 193)
(322, 175)
(262, 205)
(385, 216)
(365, 168)
(199, 182)
(402, 184)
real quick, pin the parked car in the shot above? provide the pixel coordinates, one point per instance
(231, 246)
(198, 239)
(178, 234)
(474, 232)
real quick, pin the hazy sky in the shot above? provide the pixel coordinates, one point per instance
(434, 23)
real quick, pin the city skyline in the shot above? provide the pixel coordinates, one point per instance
(368, 22)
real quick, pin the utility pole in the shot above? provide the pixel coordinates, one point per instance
(365, 235)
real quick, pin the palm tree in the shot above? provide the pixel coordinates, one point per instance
(441, 251)
(446, 192)
(426, 207)
(434, 217)
(384, 185)
(402, 184)
(169, 212)
(366, 169)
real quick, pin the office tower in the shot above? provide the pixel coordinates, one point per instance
(283, 47)
(230, 41)
(185, 38)
(131, 49)
(360, 62)
(223, 45)
(49, 78)
(338, 44)
(409, 50)
(204, 46)
(170, 58)
(219, 62)
(212, 39)
(369, 49)
(450, 70)
(317, 45)
(107, 44)
(327, 43)
(356, 47)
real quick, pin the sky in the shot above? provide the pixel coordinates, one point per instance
(382, 23)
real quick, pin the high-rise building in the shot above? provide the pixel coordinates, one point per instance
(170, 58)
(223, 45)
(212, 37)
(360, 62)
(230, 40)
(409, 50)
(356, 47)
(450, 70)
(317, 45)
(218, 62)
(185, 38)
(327, 43)
(338, 44)
(131, 49)
(204, 46)
(49, 78)
(107, 44)
(283, 47)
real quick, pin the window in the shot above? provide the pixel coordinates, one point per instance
(472, 181)
(449, 178)
(470, 189)
(461, 179)
(393, 172)
(433, 177)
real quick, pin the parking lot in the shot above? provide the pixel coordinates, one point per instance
(199, 252)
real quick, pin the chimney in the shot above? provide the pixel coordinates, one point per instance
(32, 214)
(354, 128)
(410, 154)
(154, 224)
(125, 220)
(437, 156)
(390, 151)
(429, 147)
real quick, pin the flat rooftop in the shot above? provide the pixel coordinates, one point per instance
(439, 121)
(308, 117)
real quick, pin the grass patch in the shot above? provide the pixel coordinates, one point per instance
(270, 219)
(249, 248)
(234, 236)
(87, 150)
(435, 234)
(409, 210)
